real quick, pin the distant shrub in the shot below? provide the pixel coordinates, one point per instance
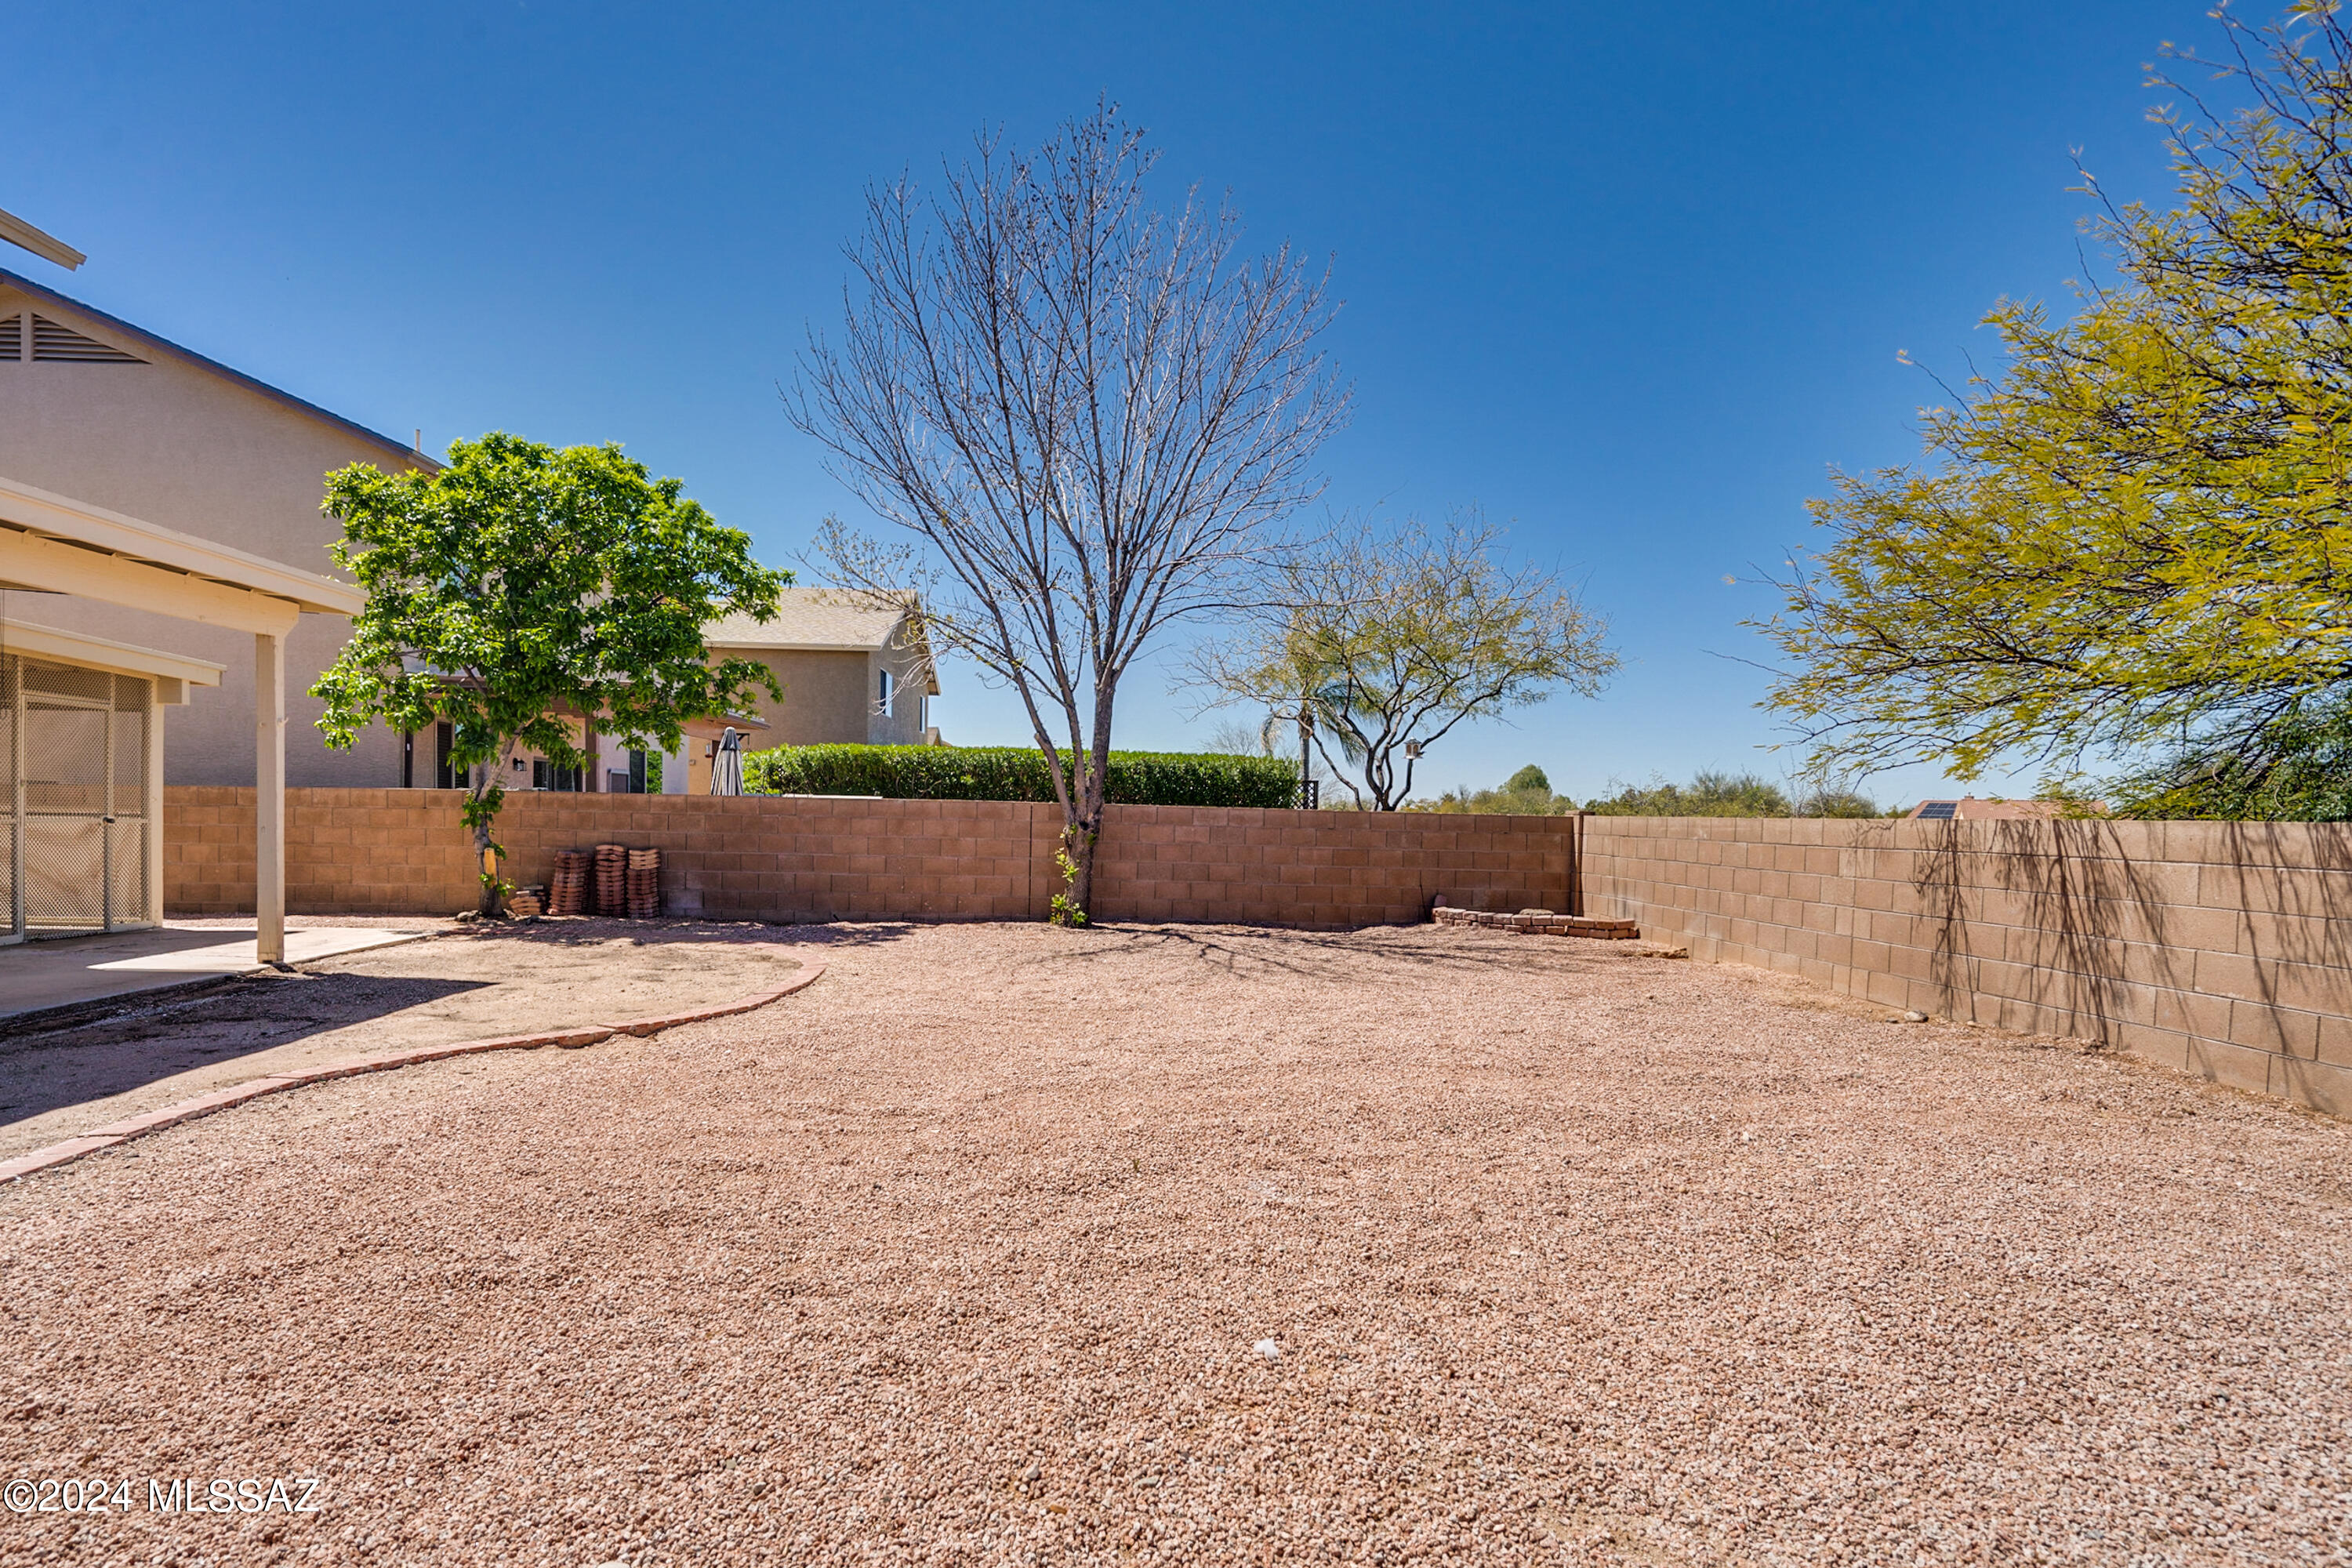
(1527, 792)
(1017, 772)
(2297, 768)
(1839, 803)
(1708, 795)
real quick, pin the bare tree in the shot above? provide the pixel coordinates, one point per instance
(1088, 417)
(1380, 642)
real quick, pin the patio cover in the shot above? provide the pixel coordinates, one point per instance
(53, 544)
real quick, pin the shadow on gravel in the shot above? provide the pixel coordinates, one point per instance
(1273, 951)
(590, 930)
(90, 1058)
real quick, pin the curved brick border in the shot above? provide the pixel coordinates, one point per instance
(114, 1132)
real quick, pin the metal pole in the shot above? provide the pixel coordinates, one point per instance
(1306, 735)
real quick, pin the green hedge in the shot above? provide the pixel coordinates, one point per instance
(1017, 773)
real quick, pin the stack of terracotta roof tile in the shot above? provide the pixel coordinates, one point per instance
(644, 884)
(612, 879)
(524, 903)
(567, 893)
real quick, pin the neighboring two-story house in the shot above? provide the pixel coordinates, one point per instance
(853, 671)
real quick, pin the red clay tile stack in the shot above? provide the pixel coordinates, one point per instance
(612, 879)
(524, 903)
(644, 884)
(568, 894)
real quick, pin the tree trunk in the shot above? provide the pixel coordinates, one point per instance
(485, 862)
(484, 795)
(1082, 825)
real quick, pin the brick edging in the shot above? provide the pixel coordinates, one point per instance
(131, 1127)
(1540, 923)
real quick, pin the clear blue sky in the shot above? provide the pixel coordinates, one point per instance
(1631, 276)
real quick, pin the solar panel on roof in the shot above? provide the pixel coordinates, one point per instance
(1938, 810)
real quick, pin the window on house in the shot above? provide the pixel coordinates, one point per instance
(444, 776)
(546, 775)
(886, 691)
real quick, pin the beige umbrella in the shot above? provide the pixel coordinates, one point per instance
(727, 763)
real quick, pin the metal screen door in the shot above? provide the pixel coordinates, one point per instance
(76, 743)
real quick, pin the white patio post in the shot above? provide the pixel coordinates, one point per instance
(269, 797)
(150, 798)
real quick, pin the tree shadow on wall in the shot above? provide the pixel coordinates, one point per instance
(2099, 909)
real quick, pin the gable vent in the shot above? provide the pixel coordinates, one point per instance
(52, 342)
(12, 337)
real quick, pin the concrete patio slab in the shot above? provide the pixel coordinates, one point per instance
(37, 976)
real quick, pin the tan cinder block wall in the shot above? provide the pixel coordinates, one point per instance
(804, 858)
(2224, 949)
(404, 851)
(1324, 868)
(347, 851)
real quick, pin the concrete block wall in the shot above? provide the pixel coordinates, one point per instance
(1325, 868)
(2224, 949)
(404, 851)
(399, 851)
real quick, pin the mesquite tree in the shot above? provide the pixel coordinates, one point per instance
(2136, 534)
(1088, 417)
(1379, 644)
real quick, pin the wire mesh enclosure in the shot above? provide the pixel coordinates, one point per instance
(78, 746)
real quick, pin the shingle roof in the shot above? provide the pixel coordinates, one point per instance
(819, 619)
(811, 619)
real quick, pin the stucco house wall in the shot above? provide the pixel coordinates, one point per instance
(832, 695)
(190, 445)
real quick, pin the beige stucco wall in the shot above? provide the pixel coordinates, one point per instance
(172, 443)
(830, 698)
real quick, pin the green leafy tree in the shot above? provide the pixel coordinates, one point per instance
(1380, 644)
(521, 588)
(2135, 536)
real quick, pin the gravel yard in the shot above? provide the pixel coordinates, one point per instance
(468, 983)
(966, 1255)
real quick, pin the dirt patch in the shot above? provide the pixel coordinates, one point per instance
(465, 982)
(966, 1253)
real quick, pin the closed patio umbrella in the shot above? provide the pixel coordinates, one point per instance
(727, 763)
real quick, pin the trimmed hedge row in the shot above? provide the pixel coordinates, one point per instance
(1017, 773)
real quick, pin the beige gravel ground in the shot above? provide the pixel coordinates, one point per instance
(465, 982)
(960, 1257)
